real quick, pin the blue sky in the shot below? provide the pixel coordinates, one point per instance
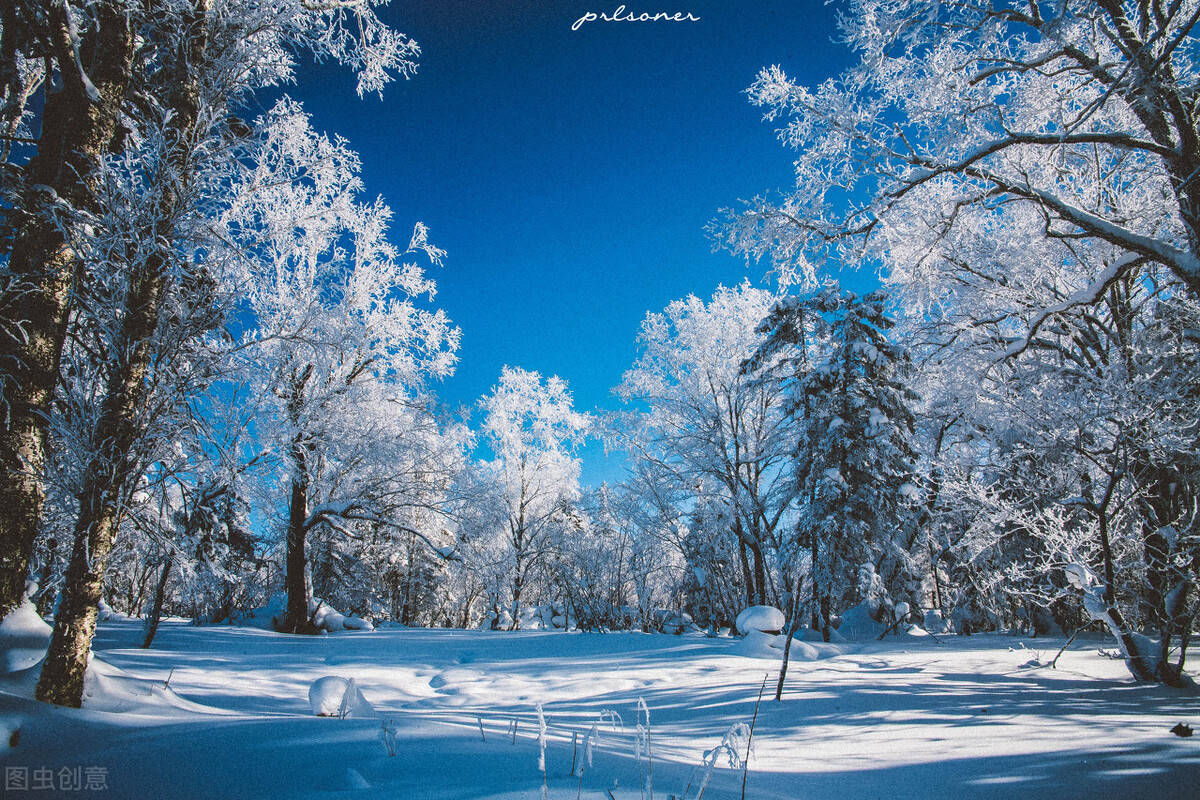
(569, 174)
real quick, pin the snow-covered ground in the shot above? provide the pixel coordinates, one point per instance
(908, 717)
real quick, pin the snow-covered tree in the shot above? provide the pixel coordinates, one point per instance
(107, 71)
(711, 428)
(531, 427)
(1082, 452)
(591, 573)
(1021, 174)
(104, 210)
(854, 460)
(152, 295)
(345, 343)
(1079, 111)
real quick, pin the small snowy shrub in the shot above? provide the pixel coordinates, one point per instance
(735, 740)
(642, 745)
(387, 735)
(348, 698)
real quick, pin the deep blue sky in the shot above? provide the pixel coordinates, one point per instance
(569, 174)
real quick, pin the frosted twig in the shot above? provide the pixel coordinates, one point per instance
(729, 748)
(644, 738)
(750, 738)
(348, 699)
(542, 749)
(387, 734)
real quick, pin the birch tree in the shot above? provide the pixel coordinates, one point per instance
(100, 66)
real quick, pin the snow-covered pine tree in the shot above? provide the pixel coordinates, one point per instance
(854, 456)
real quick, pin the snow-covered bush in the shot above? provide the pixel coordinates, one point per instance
(767, 619)
(334, 696)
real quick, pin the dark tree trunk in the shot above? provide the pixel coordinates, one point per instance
(295, 582)
(518, 586)
(296, 619)
(792, 624)
(1167, 502)
(814, 549)
(123, 420)
(110, 470)
(160, 595)
(747, 572)
(937, 580)
(760, 574)
(46, 593)
(34, 296)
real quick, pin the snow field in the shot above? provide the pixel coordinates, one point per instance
(906, 717)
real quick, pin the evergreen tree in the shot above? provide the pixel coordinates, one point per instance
(854, 457)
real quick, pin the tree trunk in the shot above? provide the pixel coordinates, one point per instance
(518, 584)
(76, 130)
(816, 584)
(295, 580)
(296, 619)
(110, 470)
(160, 595)
(123, 421)
(747, 573)
(793, 622)
(937, 580)
(46, 592)
(760, 574)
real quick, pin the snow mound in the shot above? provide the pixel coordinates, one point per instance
(107, 688)
(934, 623)
(24, 637)
(816, 650)
(549, 616)
(760, 618)
(857, 624)
(10, 725)
(329, 619)
(324, 616)
(355, 780)
(533, 618)
(333, 696)
(760, 644)
(813, 635)
(105, 613)
(673, 622)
